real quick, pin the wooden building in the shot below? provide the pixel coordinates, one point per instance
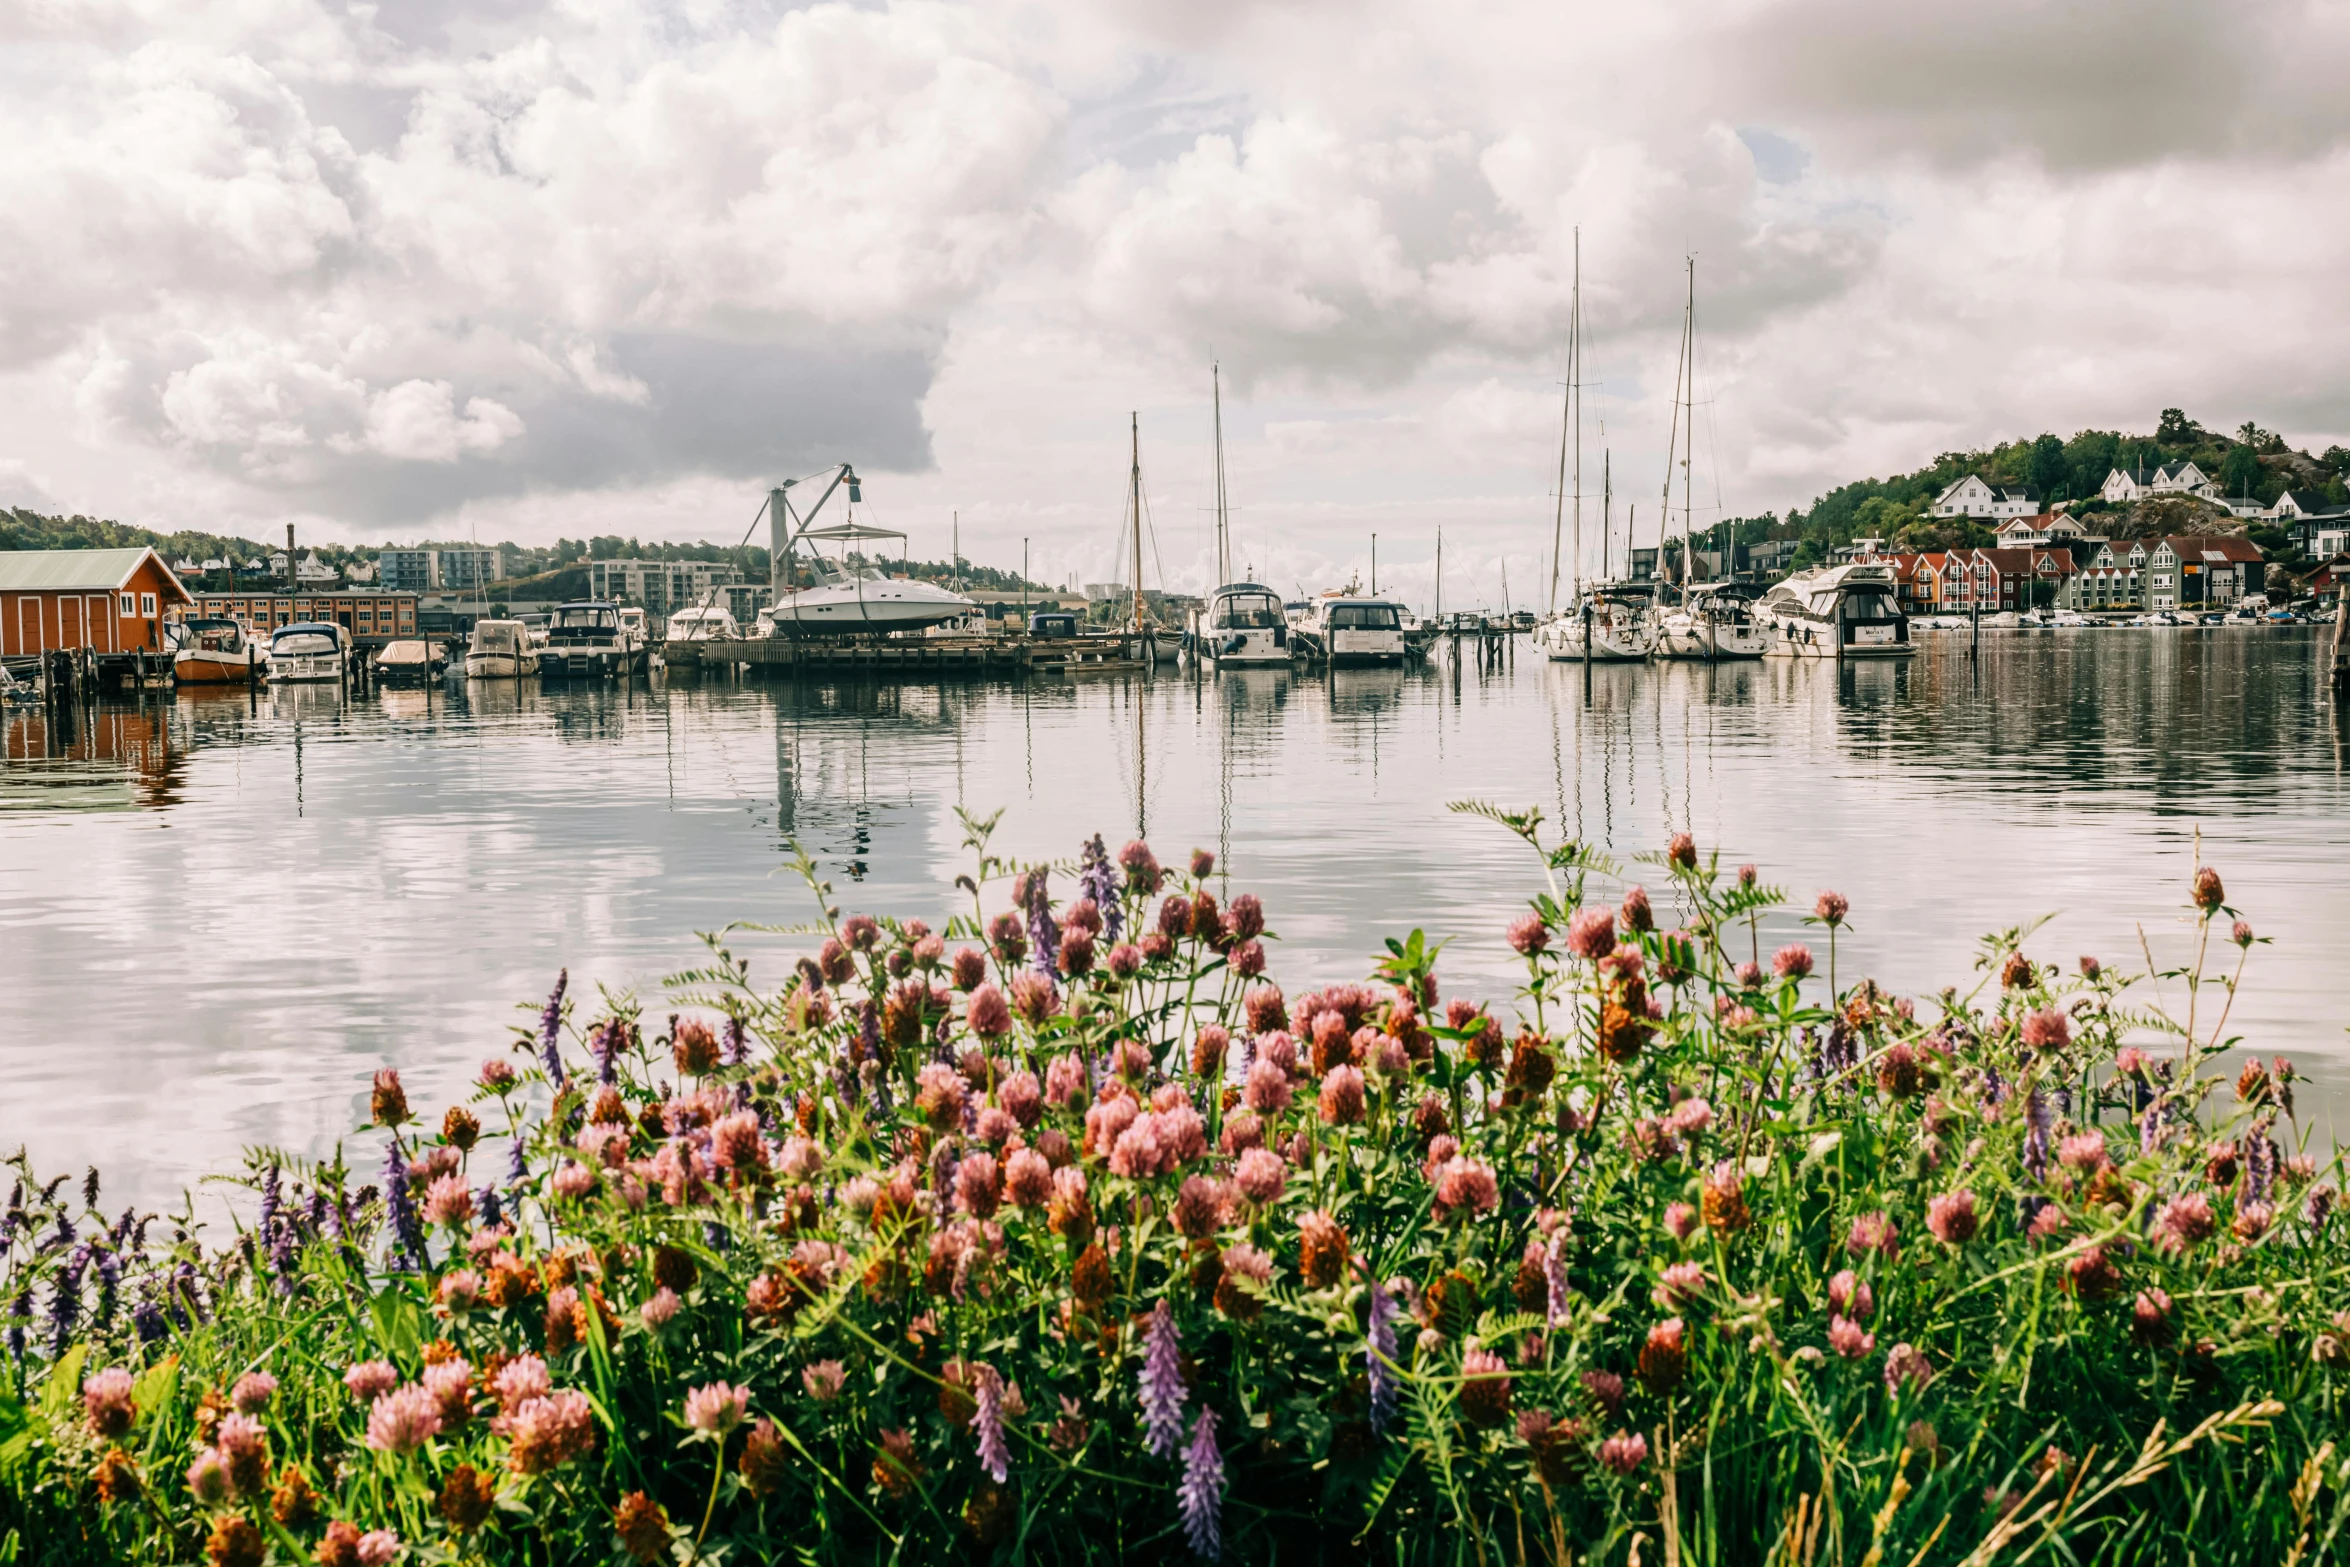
(109, 601)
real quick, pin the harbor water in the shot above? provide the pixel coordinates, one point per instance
(221, 911)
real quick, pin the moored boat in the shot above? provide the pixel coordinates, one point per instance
(1358, 631)
(702, 622)
(412, 658)
(1614, 620)
(500, 650)
(585, 641)
(1835, 612)
(309, 650)
(216, 652)
(1714, 620)
(1241, 625)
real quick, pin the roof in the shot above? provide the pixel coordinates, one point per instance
(77, 571)
(2019, 492)
(2215, 547)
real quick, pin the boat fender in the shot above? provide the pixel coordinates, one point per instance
(1234, 643)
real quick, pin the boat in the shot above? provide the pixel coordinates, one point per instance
(500, 650)
(701, 623)
(2070, 619)
(585, 641)
(216, 652)
(1241, 625)
(1354, 630)
(845, 597)
(1614, 620)
(309, 650)
(1835, 612)
(412, 658)
(634, 627)
(1713, 621)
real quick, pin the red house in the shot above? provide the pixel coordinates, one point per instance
(109, 601)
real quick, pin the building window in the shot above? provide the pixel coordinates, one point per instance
(147, 605)
(130, 605)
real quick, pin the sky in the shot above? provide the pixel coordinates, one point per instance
(509, 269)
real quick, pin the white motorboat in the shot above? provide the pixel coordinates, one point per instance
(1358, 631)
(844, 597)
(1241, 625)
(307, 651)
(2068, 619)
(585, 641)
(500, 650)
(1835, 612)
(412, 658)
(635, 628)
(215, 652)
(701, 623)
(1713, 621)
(1615, 620)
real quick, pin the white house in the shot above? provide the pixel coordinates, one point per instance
(2048, 527)
(2300, 503)
(1972, 496)
(2179, 478)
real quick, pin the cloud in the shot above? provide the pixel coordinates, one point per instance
(417, 421)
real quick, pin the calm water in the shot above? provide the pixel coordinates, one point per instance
(218, 914)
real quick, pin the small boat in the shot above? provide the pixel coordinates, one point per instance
(1616, 619)
(412, 659)
(1714, 620)
(1358, 631)
(500, 650)
(216, 652)
(2069, 619)
(1241, 626)
(699, 624)
(1835, 612)
(309, 650)
(585, 642)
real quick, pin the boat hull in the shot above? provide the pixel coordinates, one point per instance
(206, 667)
(1793, 641)
(1561, 641)
(305, 669)
(500, 666)
(1706, 642)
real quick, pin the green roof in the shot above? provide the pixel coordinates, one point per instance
(93, 571)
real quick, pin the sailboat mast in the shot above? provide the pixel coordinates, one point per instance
(1440, 576)
(1607, 510)
(1223, 530)
(1575, 386)
(1689, 458)
(1134, 429)
(1566, 419)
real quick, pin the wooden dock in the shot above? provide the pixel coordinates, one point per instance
(887, 657)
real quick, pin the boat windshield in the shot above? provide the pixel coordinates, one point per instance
(1869, 604)
(1364, 617)
(289, 644)
(496, 636)
(1248, 612)
(591, 617)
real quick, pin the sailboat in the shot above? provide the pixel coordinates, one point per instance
(1714, 620)
(1243, 623)
(1601, 622)
(845, 598)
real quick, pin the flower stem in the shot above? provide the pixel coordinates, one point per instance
(710, 1509)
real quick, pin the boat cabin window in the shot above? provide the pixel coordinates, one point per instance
(1248, 612)
(296, 643)
(1869, 604)
(495, 638)
(592, 618)
(1364, 617)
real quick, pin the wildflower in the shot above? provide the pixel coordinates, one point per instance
(1268, 1091)
(1847, 1338)
(403, 1420)
(1950, 1218)
(2208, 892)
(978, 1185)
(1200, 1498)
(2047, 1029)
(1624, 1452)
(1028, 1179)
(1162, 1383)
(451, 1384)
(1681, 1220)
(1690, 1117)
(550, 1431)
(551, 1027)
(448, 1202)
(1591, 934)
(643, 1528)
(824, 1379)
(1247, 1273)
(1466, 1187)
(1678, 1285)
(2091, 1274)
(340, 1548)
(2130, 1061)
(1723, 1199)
(2183, 1222)
(244, 1448)
(1749, 976)
(387, 1104)
(1322, 1250)
(895, 1468)
(1849, 1295)
(208, 1479)
(1664, 1356)
(716, 1409)
(235, 1543)
(1034, 998)
(1899, 1072)
(766, 1461)
(1831, 908)
(1342, 1096)
(1681, 850)
(1907, 1366)
(107, 1402)
(1485, 1388)
(496, 1076)
(466, 1499)
(519, 1381)
(2047, 1219)
(2084, 1151)
(116, 1478)
(1873, 1232)
(1791, 962)
(1528, 935)
(2017, 972)
(2252, 1220)
(371, 1379)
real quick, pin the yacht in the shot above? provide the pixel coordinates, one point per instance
(500, 650)
(1358, 631)
(585, 641)
(1614, 617)
(1714, 620)
(635, 628)
(1240, 625)
(309, 650)
(1835, 612)
(701, 623)
(216, 652)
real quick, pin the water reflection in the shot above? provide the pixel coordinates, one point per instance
(413, 862)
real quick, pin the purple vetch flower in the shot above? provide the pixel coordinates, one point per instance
(1162, 1383)
(604, 1044)
(148, 1321)
(109, 1284)
(551, 1028)
(2039, 1118)
(988, 1422)
(1995, 1089)
(266, 1221)
(65, 1300)
(1044, 936)
(2260, 1164)
(734, 1043)
(1554, 1279)
(20, 1311)
(1100, 883)
(1379, 1357)
(400, 1209)
(1201, 1495)
(487, 1208)
(868, 1031)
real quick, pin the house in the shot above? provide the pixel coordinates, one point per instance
(2327, 580)
(109, 601)
(371, 615)
(359, 571)
(2192, 571)
(2179, 478)
(1974, 496)
(2111, 582)
(1992, 580)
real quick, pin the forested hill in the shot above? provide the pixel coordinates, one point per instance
(2250, 461)
(28, 530)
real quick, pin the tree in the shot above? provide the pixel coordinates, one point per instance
(2174, 427)
(2049, 470)
(2337, 493)
(2240, 470)
(2336, 458)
